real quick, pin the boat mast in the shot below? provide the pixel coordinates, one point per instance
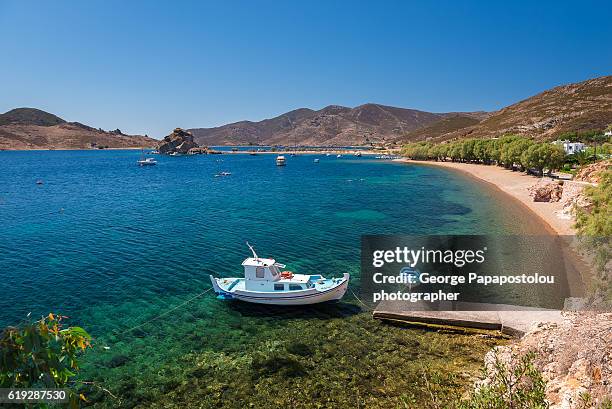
(252, 250)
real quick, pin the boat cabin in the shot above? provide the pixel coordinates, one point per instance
(262, 269)
(264, 274)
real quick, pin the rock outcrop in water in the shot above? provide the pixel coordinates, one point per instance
(179, 141)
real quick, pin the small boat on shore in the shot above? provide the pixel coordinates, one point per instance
(280, 160)
(265, 283)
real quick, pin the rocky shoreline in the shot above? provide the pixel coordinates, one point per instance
(574, 357)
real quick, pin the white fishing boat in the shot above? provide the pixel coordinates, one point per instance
(264, 282)
(316, 160)
(146, 161)
(280, 160)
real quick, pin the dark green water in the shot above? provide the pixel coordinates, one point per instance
(113, 245)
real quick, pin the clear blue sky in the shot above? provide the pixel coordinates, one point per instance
(147, 67)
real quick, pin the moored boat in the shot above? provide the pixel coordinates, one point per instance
(146, 161)
(280, 160)
(265, 283)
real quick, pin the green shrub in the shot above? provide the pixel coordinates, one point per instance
(511, 386)
(41, 354)
(594, 226)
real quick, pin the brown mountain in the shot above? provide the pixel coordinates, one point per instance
(30, 128)
(578, 107)
(332, 125)
(575, 107)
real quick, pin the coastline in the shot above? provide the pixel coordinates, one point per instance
(514, 184)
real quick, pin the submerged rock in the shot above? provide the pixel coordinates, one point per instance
(117, 361)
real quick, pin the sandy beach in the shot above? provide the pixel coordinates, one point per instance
(514, 184)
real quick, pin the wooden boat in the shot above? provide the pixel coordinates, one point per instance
(265, 282)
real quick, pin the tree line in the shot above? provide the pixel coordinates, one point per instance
(510, 151)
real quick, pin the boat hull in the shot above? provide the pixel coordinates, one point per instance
(334, 293)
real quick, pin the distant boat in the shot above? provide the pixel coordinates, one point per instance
(146, 161)
(358, 154)
(223, 174)
(39, 182)
(328, 154)
(339, 156)
(280, 160)
(265, 283)
(316, 160)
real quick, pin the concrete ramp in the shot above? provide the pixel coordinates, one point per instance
(509, 319)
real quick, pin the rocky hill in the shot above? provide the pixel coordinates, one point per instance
(442, 127)
(575, 107)
(578, 107)
(30, 128)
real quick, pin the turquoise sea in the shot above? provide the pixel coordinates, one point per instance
(113, 245)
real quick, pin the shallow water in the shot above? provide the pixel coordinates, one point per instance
(113, 245)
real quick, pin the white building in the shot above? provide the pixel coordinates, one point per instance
(571, 147)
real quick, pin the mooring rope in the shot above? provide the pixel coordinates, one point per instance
(164, 313)
(198, 296)
(358, 299)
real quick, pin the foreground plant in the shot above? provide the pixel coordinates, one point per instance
(516, 385)
(42, 354)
